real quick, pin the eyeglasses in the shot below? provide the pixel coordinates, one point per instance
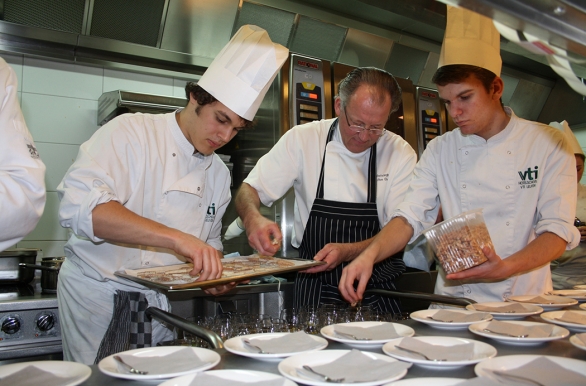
(359, 129)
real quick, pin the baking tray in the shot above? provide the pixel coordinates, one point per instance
(174, 277)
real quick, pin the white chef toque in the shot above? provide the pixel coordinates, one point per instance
(242, 72)
(570, 137)
(472, 39)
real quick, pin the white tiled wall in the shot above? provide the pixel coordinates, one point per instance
(59, 101)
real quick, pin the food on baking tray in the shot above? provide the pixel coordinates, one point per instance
(458, 241)
(233, 267)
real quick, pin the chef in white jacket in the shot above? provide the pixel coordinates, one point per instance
(519, 172)
(22, 173)
(569, 270)
(148, 190)
(349, 174)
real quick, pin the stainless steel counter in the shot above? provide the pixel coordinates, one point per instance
(561, 348)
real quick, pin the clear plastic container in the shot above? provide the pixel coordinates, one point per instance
(458, 241)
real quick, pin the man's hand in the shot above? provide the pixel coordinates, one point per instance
(494, 268)
(333, 254)
(219, 289)
(358, 270)
(264, 236)
(205, 258)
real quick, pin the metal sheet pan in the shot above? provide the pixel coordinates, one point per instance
(300, 264)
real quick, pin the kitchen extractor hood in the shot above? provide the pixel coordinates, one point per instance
(114, 103)
(168, 37)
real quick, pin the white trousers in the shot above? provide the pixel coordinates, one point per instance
(85, 312)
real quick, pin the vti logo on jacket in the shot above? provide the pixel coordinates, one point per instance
(528, 178)
(211, 213)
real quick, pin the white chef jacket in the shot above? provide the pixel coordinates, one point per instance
(570, 269)
(22, 173)
(296, 161)
(144, 162)
(524, 178)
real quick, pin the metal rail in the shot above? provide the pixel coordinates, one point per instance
(204, 333)
(422, 296)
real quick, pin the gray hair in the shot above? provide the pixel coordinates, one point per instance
(372, 76)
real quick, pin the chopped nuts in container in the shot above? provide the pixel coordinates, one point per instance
(458, 241)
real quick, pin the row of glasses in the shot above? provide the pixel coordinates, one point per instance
(230, 325)
(309, 319)
(312, 319)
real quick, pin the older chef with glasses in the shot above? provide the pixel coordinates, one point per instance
(348, 174)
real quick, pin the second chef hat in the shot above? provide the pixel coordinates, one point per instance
(570, 137)
(242, 72)
(472, 39)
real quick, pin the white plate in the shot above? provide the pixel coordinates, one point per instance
(421, 316)
(236, 346)
(288, 366)
(78, 371)
(510, 362)
(557, 333)
(552, 315)
(402, 330)
(577, 342)
(248, 376)
(427, 382)
(109, 367)
(578, 294)
(532, 309)
(546, 307)
(481, 351)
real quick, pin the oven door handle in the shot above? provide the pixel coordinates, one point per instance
(204, 333)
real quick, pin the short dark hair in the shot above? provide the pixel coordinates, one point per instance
(372, 76)
(457, 73)
(205, 98)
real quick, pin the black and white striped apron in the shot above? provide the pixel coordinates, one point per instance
(343, 222)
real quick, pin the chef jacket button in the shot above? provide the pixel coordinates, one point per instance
(468, 291)
(464, 186)
(507, 186)
(509, 152)
(198, 189)
(146, 263)
(200, 205)
(174, 155)
(466, 152)
(508, 223)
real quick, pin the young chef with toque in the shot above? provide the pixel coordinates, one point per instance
(148, 190)
(520, 173)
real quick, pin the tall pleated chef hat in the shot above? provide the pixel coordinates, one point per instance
(472, 39)
(242, 72)
(570, 137)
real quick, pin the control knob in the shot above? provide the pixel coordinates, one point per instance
(10, 325)
(45, 322)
